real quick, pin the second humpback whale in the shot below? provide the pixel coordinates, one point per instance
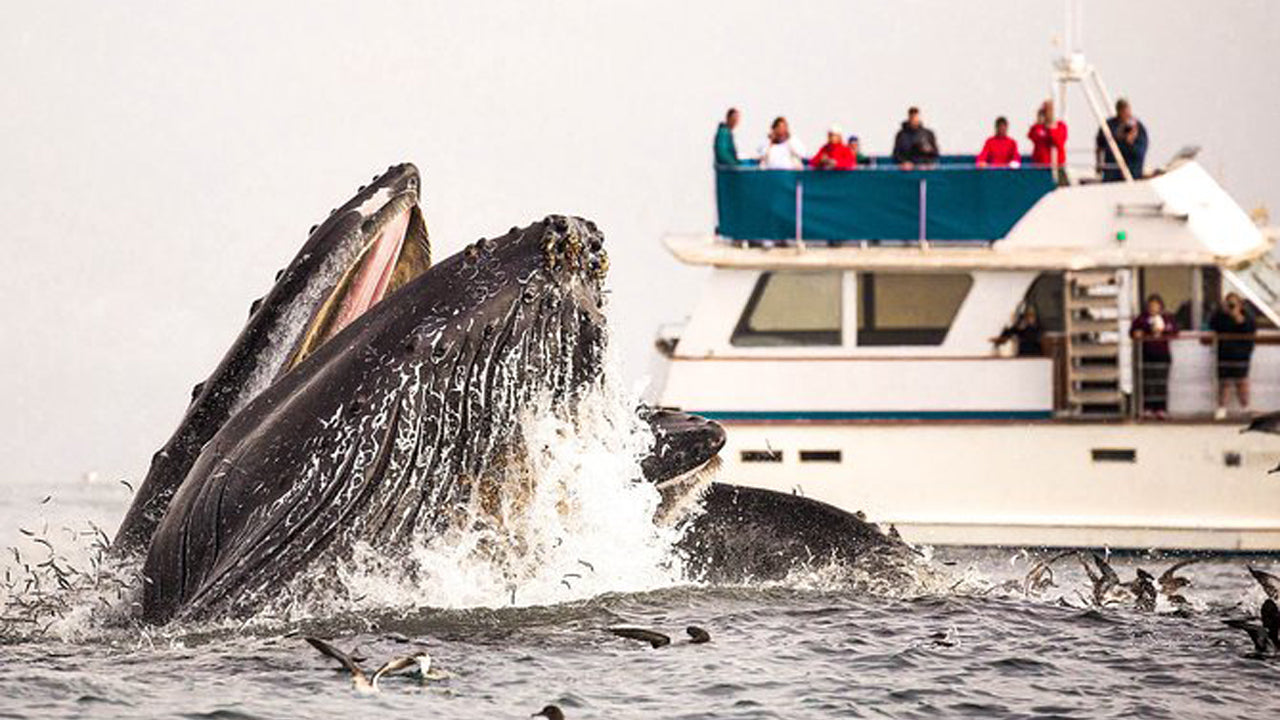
(373, 398)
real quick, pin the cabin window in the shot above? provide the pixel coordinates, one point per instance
(791, 308)
(908, 309)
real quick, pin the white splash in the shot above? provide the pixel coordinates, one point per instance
(584, 527)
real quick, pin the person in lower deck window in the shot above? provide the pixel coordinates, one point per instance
(1152, 330)
(1028, 332)
(1234, 327)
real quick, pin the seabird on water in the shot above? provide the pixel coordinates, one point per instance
(1104, 579)
(1171, 584)
(1040, 576)
(362, 682)
(697, 635)
(551, 712)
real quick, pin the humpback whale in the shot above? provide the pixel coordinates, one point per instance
(404, 422)
(376, 398)
(369, 247)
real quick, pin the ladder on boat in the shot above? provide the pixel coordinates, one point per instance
(1093, 347)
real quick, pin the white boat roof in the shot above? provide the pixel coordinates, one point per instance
(1181, 217)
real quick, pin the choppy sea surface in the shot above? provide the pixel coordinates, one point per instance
(966, 641)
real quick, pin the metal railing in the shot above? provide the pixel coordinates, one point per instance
(1190, 384)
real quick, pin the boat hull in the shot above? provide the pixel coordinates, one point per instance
(1166, 486)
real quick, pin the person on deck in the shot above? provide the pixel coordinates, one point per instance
(1048, 137)
(1027, 331)
(781, 151)
(1000, 150)
(835, 155)
(1152, 330)
(1234, 327)
(860, 159)
(915, 144)
(726, 150)
(1131, 138)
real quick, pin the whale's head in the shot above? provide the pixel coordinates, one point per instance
(392, 425)
(363, 251)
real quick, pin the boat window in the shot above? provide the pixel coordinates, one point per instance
(792, 308)
(908, 309)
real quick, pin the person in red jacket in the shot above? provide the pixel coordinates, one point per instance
(1000, 150)
(1048, 138)
(835, 155)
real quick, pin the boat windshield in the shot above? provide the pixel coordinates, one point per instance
(1259, 283)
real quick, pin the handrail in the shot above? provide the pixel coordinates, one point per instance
(939, 204)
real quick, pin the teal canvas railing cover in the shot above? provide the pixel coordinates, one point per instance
(881, 204)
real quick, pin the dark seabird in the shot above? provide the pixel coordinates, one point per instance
(551, 712)
(1266, 637)
(1144, 591)
(697, 635)
(1269, 423)
(1104, 579)
(1040, 576)
(364, 684)
(1270, 583)
(655, 639)
(1171, 584)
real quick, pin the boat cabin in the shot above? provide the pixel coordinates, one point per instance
(875, 294)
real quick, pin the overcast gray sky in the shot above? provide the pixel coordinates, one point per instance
(159, 162)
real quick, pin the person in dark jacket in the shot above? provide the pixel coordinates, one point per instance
(1152, 330)
(725, 148)
(915, 144)
(1028, 332)
(1234, 326)
(1131, 139)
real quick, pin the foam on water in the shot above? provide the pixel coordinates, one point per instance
(580, 524)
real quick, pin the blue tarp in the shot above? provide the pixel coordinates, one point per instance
(881, 204)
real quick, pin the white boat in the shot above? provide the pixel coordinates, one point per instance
(843, 338)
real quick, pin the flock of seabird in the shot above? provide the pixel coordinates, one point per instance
(418, 664)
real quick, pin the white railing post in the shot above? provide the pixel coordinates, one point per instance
(924, 212)
(800, 211)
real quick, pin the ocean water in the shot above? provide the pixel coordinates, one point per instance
(509, 633)
(965, 641)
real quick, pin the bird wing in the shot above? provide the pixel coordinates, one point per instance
(655, 639)
(395, 665)
(357, 673)
(1270, 583)
(1167, 575)
(1269, 423)
(1256, 632)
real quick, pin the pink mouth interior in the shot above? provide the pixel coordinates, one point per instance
(374, 274)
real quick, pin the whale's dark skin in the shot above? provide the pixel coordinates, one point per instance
(403, 423)
(271, 336)
(751, 534)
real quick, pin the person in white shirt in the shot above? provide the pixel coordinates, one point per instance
(782, 152)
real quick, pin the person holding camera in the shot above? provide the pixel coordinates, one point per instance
(1234, 327)
(1131, 138)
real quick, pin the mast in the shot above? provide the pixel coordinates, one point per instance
(1072, 67)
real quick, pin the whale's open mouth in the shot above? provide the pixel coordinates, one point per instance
(395, 253)
(680, 494)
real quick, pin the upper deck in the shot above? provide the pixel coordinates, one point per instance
(961, 216)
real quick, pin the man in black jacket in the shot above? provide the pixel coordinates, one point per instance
(915, 144)
(1131, 139)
